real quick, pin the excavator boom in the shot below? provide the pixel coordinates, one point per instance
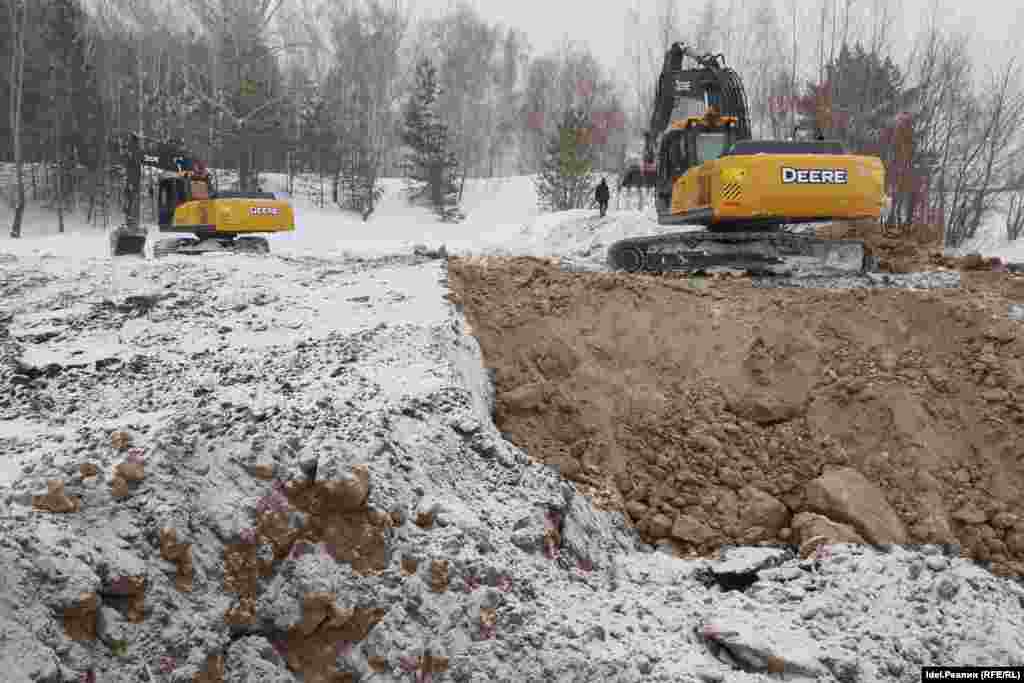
(682, 92)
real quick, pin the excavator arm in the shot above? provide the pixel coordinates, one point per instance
(682, 92)
(689, 92)
(135, 152)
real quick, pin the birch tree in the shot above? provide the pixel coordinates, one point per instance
(19, 27)
(243, 89)
(467, 46)
(765, 62)
(364, 85)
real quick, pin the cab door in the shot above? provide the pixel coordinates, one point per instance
(172, 193)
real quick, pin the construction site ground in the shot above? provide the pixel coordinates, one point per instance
(668, 396)
(477, 468)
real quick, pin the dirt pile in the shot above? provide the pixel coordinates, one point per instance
(715, 412)
(898, 250)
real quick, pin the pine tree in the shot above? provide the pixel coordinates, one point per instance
(431, 165)
(566, 180)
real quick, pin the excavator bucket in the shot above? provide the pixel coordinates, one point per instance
(125, 241)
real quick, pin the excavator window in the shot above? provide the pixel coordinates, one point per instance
(172, 193)
(710, 146)
(677, 157)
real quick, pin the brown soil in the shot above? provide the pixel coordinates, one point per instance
(899, 250)
(338, 517)
(80, 618)
(669, 397)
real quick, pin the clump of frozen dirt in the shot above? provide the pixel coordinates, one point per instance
(712, 411)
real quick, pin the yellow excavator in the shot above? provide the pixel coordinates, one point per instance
(744, 194)
(187, 202)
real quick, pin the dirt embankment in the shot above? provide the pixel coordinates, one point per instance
(699, 406)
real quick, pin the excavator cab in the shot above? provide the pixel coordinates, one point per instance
(173, 191)
(696, 146)
(689, 144)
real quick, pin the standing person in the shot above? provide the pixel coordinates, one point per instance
(602, 195)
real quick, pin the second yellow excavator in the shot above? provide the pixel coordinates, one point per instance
(709, 172)
(187, 202)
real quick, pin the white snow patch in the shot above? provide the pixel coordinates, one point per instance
(502, 217)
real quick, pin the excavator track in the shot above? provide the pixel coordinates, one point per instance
(246, 244)
(757, 253)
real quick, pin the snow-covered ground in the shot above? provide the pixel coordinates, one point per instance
(501, 216)
(991, 239)
(339, 350)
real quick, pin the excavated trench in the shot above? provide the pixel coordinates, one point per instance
(705, 408)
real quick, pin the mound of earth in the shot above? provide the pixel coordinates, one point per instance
(898, 250)
(714, 412)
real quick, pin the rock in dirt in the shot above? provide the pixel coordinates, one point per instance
(760, 509)
(766, 409)
(846, 495)
(750, 646)
(808, 525)
(691, 530)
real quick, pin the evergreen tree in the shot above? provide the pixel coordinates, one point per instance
(431, 165)
(860, 96)
(566, 180)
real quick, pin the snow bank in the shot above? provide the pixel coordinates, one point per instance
(498, 211)
(991, 241)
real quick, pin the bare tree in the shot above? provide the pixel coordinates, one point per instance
(669, 30)
(366, 97)
(1015, 216)
(793, 81)
(243, 86)
(706, 37)
(991, 157)
(966, 144)
(649, 41)
(19, 26)
(466, 46)
(765, 63)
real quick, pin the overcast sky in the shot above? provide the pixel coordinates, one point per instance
(998, 23)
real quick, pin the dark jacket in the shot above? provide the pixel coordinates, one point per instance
(601, 193)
